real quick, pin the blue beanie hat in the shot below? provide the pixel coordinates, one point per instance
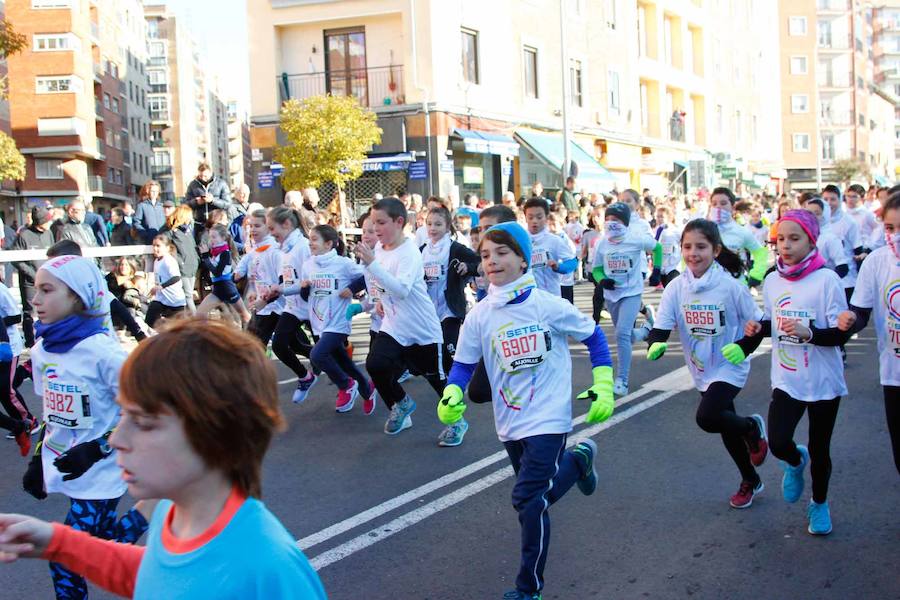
(521, 237)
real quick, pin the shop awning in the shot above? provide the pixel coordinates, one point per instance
(482, 142)
(388, 162)
(549, 148)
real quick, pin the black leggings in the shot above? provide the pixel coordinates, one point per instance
(450, 330)
(668, 277)
(12, 402)
(289, 341)
(892, 414)
(598, 302)
(784, 415)
(387, 360)
(158, 309)
(263, 326)
(567, 292)
(716, 414)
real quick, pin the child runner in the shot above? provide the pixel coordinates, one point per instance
(448, 264)
(737, 238)
(877, 290)
(844, 228)
(410, 335)
(862, 216)
(218, 262)
(521, 333)
(830, 248)
(617, 267)
(211, 532)
(592, 235)
(290, 339)
(552, 256)
(566, 280)
(669, 237)
(802, 302)
(18, 419)
(261, 267)
(709, 307)
(168, 293)
(325, 274)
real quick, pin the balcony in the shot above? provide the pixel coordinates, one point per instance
(98, 109)
(159, 88)
(157, 61)
(834, 80)
(838, 6)
(828, 43)
(95, 183)
(374, 87)
(836, 118)
(159, 116)
(101, 150)
(160, 171)
(157, 143)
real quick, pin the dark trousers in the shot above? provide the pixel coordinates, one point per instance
(784, 415)
(27, 293)
(158, 309)
(716, 414)
(892, 414)
(668, 277)
(545, 471)
(263, 326)
(568, 293)
(330, 355)
(289, 341)
(598, 302)
(450, 329)
(479, 389)
(10, 398)
(387, 360)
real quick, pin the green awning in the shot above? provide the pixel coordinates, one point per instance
(549, 148)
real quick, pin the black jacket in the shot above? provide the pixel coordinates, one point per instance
(455, 293)
(67, 229)
(121, 235)
(186, 249)
(31, 238)
(221, 198)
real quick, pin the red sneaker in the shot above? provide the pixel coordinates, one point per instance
(369, 404)
(758, 442)
(23, 439)
(349, 349)
(347, 397)
(744, 496)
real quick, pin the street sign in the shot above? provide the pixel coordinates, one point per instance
(446, 166)
(728, 173)
(277, 169)
(265, 179)
(256, 154)
(418, 169)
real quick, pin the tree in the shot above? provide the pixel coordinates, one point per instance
(846, 169)
(328, 137)
(12, 163)
(11, 42)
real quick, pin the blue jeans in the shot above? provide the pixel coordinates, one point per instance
(330, 355)
(545, 471)
(624, 312)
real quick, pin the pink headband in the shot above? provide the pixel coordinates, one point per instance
(806, 220)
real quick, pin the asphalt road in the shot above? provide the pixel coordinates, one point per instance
(399, 518)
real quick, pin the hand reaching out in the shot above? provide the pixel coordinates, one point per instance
(752, 328)
(846, 320)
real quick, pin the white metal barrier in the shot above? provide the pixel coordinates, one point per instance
(104, 252)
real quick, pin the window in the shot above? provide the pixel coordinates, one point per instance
(470, 56)
(801, 142)
(48, 168)
(859, 82)
(529, 57)
(159, 108)
(115, 105)
(667, 41)
(614, 99)
(828, 146)
(106, 102)
(798, 65)
(575, 83)
(109, 138)
(642, 30)
(55, 42)
(753, 130)
(156, 76)
(799, 103)
(130, 92)
(117, 141)
(58, 85)
(797, 25)
(862, 120)
(111, 175)
(720, 119)
(738, 127)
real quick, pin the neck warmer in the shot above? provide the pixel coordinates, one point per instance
(720, 216)
(217, 250)
(708, 280)
(63, 335)
(264, 245)
(615, 231)
(321, 260)
(290, 241)
(511, 292)
(811, 263)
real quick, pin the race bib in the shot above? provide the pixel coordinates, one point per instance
(520, 348)
(704, 320)
(288, 275)
(323, 284)
(669, 250)
(617, 264)
(783, 315)
(66, 405)
(539, 258)
(893, 332)
(434, 272)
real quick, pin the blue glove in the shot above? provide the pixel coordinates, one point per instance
(6, 354)
(352, 310)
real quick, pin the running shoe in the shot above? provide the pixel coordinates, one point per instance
(23, 438)
(587, 450)
(406, 375)
(744, 496)
(757, 441)
(303, 388)
(347, 397)
(453, 435)
(517, 595)
(620, 388)
(792, 482)
(33, 427)
(400, 416)
(650, 316)
(819, 518)
(639, 334)
(605, 316)
(369, 404)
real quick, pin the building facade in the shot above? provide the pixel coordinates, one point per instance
(240, 163)
(886, 50)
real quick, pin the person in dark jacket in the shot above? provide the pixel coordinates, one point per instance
(73, 227)
(206, 193)
(36, 236)
(179, 227)
(96, 223)
(121, 234)
(149, 217)
(240, 204)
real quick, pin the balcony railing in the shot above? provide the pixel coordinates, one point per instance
(154, 143)
(159, 115)
(95, 183)
(832, 5)
(157, 61)
(831, 80)
(837, 44)
(159, 88)
(836, 118)
(373, 87)
(160, 171)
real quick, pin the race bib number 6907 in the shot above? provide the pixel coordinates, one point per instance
(522, 347)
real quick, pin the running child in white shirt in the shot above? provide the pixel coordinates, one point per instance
(856, 209)
(844, 228)
(325, 274)
(831, 248)
(709, 306)
(552, 256)
(410, 335)
(878, 291)
(169, 299)
(218, 262)
(618, 261)
(261, 267)
(669, 236)
(737, 238)
(521, 333)
(802, 301)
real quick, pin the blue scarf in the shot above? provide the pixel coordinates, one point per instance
(63, 335)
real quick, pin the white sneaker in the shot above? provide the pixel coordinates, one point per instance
(650, 315)
(406, 375)
(620, 388)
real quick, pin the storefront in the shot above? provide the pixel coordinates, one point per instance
(482, 162)
(542, 159)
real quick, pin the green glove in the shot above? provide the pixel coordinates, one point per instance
(451, 407)
(734, 354)
(353, 309)
(656, 350)
(601, 395)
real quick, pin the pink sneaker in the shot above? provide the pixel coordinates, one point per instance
(369, 405)
(347, 397)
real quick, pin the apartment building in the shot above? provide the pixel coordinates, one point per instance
(886, 50)
(239, 155)
(217, 131)
(831, 105)
(132, 40)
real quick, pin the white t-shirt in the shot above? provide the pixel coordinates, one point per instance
(399, 281)
(846, 230)
(526, 354)
(328, 274)
(545, 247)
(261, 267)
(574, 230)
(79, 390)
(805, 371)
(164, 269)
(294, 252)
(567, 278)
(622, 262)
(10, 308)
(707, 320)
(371, 302)
(421, 236)
(670, 239)
(589, 244)
(864, 219)
(831, 249)
(876, 240)
(436, 262)
(878, 288)
(738, 238)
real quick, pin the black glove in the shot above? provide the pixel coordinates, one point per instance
(33, 479)
(655, 277)
(753, 282)
(607, 284)
(78, 459)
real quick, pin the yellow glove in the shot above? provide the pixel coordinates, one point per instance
(601, 395)
(451, 406)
